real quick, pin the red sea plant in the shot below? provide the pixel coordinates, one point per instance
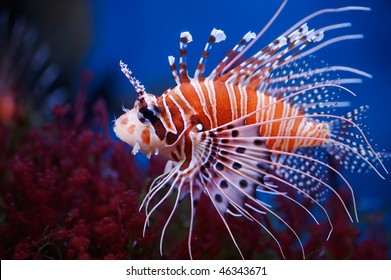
(68, 190)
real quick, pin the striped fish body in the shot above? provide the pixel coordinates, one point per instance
(215, 103)
(253, 130)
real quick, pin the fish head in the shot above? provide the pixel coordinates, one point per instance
(135, 126)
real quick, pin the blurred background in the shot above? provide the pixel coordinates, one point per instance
(93, 36)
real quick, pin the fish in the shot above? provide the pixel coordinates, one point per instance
(253, 128)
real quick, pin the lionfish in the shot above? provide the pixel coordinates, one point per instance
(253, 126)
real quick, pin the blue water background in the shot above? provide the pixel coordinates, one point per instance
(144, 33)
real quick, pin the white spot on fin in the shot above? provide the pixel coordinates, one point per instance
(187, 35)
(319, 37)
(218, 34)
(249, 35)
(171, 60)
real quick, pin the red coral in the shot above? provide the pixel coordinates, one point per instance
(68, 192)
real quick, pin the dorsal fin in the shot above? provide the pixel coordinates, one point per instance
(260, 33)
(216, 36)
(275, 54)
(286, 49)
(232, 54)
(171, 61)
(185, 38)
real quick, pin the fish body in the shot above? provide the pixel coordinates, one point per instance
(246, 129)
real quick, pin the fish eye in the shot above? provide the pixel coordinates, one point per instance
(147, 115)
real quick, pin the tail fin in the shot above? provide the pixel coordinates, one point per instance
(350, 146)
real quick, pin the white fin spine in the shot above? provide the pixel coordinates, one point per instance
(216, 36)
(185, 38)
(171, 61)
(232, 54)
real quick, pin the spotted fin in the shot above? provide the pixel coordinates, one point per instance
(231, 180)
(229, 177)
(314, 85)
(237, 159)
(350, 147)
(239, 174)
(307, 169)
